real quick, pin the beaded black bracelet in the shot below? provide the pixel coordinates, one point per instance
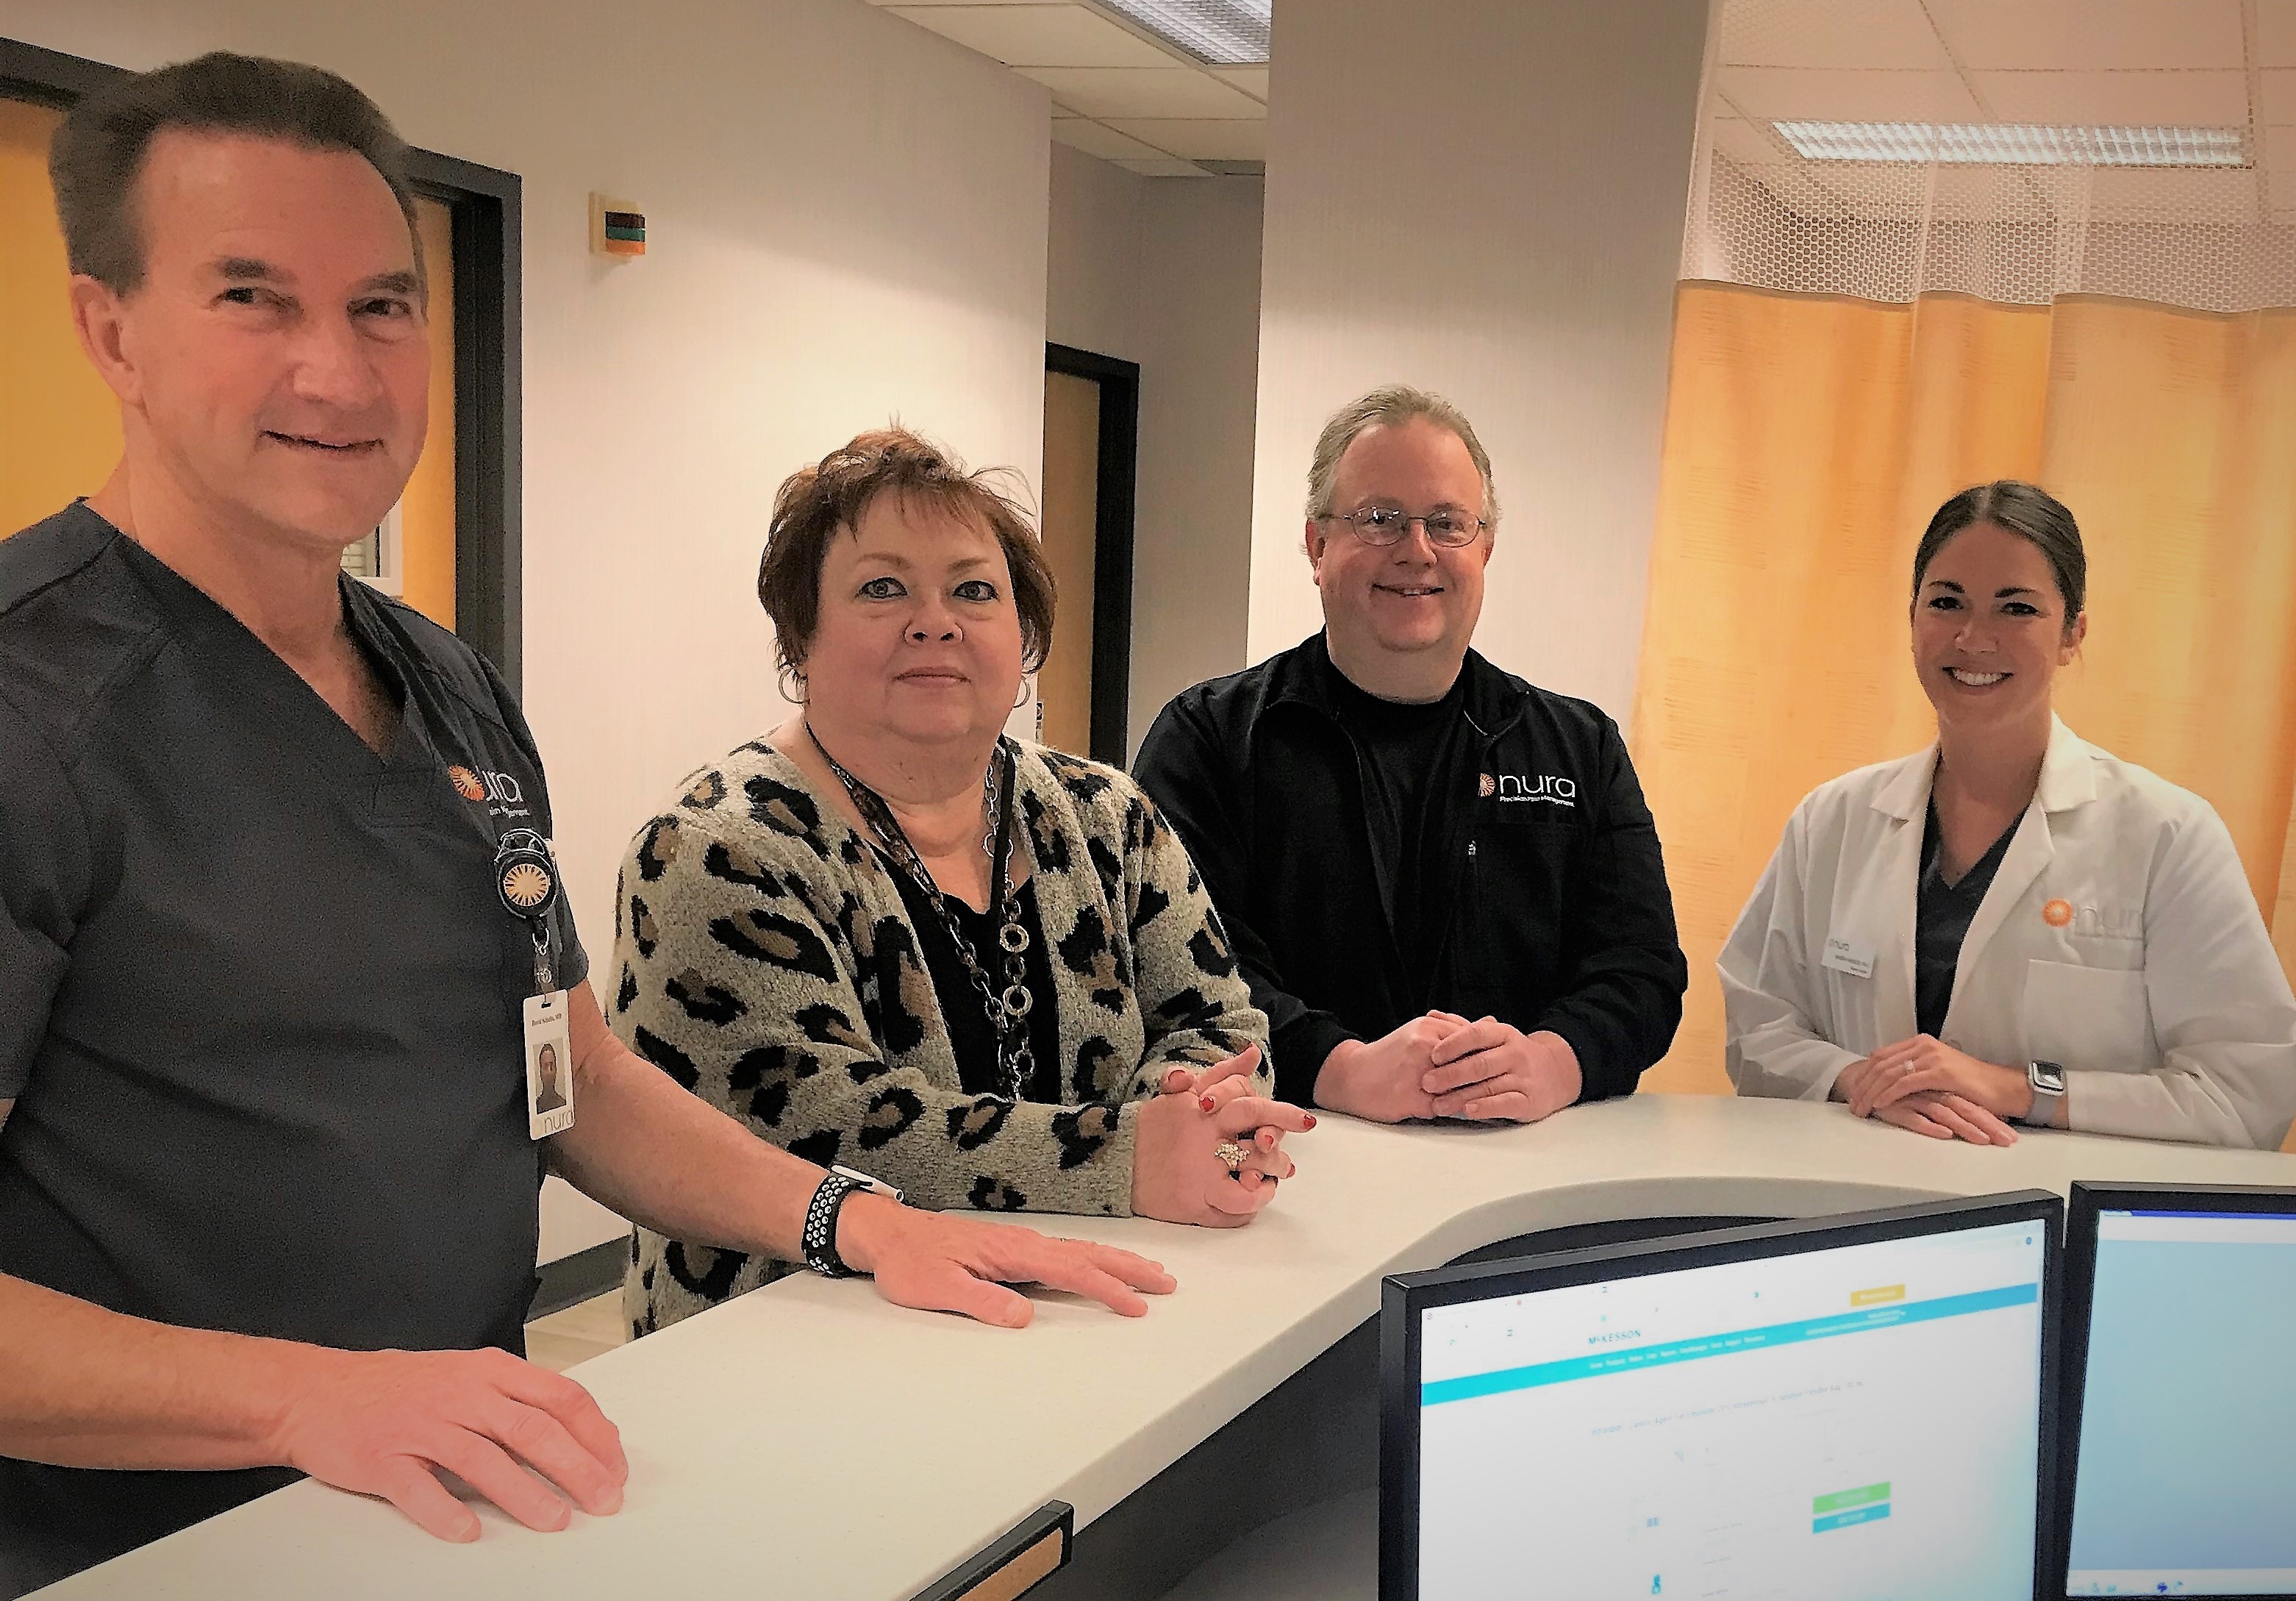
(819, 1237)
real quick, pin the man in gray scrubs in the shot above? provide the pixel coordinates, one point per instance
(277, 902)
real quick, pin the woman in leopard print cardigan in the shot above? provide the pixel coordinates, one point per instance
(767, 958)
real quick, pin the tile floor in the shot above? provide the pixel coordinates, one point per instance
(578, 1333)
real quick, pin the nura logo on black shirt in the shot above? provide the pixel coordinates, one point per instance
(499, 791)
(1548, 787)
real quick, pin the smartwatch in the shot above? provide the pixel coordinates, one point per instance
(819, 1236)
(2048, 1081)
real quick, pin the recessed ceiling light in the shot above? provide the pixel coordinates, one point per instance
(1220, 33)
(2016, 143)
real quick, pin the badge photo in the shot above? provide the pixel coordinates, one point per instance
(549, 1067)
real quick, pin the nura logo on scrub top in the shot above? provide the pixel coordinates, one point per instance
(499, 791)
(1548, 787)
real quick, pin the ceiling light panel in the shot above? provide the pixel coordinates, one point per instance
(2015, 144)
(1221, 33)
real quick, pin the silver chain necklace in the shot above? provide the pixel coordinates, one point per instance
(1008, 1010)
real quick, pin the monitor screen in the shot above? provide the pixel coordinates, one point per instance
(2184, 1478)
(1829, 1416)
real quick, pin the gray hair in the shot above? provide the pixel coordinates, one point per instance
(1390, 405)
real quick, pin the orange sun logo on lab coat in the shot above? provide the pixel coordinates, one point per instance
(2057, 913)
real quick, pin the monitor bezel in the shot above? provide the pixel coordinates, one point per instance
(2087, 1203)
(1404, 1297)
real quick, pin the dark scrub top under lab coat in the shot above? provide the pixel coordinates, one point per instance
(259, 1004)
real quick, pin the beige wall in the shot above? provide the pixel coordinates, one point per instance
(846, 222)
(1505, 227)
(1165, 272)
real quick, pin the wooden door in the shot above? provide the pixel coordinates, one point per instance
(1070, 522)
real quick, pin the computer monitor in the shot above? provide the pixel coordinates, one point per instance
(1860, 1407)
(2179, 1410)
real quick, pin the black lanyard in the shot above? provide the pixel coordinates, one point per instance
(1008, 1010)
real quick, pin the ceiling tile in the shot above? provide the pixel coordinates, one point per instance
(1200, 139)
(1096, 139)
(2275, 33)
(2276, 98)
(1827, 33)
(2094, 35)
(1768, 93)
(1165, 168)
(2152, 194)
(2279, 151)
(2209, 99)
(1748, 143)
(1144, 92)
(1037, 36)
(1790, 184)
(905, 5)
(1251, 80)
(2280, 194)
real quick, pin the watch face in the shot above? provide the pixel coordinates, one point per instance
(2049, 1076)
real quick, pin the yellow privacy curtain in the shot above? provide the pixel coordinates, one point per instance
(1807, 440)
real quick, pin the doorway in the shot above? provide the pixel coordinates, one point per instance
(1092, 417)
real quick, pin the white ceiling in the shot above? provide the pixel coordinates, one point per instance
(1119, 92)
(1122, 95)
(2220, 63)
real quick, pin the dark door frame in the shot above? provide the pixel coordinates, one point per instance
(485, 206)
(1111, 543)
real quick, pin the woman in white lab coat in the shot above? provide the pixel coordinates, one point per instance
(2011, 926)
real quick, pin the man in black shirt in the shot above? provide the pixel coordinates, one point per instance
(1442, 882)
(268, 1189)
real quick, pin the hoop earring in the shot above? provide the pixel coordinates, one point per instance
(1024, 700)
(784, 678)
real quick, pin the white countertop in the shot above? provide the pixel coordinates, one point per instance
(810, 1441)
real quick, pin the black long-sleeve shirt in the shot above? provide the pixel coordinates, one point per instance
(1541, 875)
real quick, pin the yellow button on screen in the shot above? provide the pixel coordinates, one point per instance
(1877, 1295)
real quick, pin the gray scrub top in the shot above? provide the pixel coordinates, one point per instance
(259, 1002)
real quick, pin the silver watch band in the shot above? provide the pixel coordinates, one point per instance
(2045, 1093)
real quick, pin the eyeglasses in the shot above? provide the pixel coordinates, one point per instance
(1385, 525)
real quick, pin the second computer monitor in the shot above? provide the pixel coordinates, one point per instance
(2180, 1307)
(1856, 1408)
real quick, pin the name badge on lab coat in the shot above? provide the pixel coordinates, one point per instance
(1848, 955)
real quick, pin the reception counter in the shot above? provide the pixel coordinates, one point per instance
(810, 1441)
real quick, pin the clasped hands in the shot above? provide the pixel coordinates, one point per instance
(1177, 1172)
(1927, 1086)
(1442, 1065)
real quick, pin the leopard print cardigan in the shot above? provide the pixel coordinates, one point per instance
(767, 962)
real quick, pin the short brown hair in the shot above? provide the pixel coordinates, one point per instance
(833, 494)
(98, 153)
(1391, 405)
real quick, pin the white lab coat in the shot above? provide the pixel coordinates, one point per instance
(2118, 938)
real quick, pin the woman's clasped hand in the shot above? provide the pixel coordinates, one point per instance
(1927, 1086)
(1180, 1173)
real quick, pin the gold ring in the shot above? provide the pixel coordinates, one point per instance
(1232, 1153)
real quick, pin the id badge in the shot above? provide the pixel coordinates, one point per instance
(549, 1067)
(1851, 956)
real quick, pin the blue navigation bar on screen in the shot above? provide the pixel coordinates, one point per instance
(1862, 1321)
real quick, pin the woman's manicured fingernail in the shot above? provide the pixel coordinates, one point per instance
(1307, 1119)
(1208, 1104)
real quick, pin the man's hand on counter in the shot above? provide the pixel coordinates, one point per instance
(944, 1263)
(381, 1422)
